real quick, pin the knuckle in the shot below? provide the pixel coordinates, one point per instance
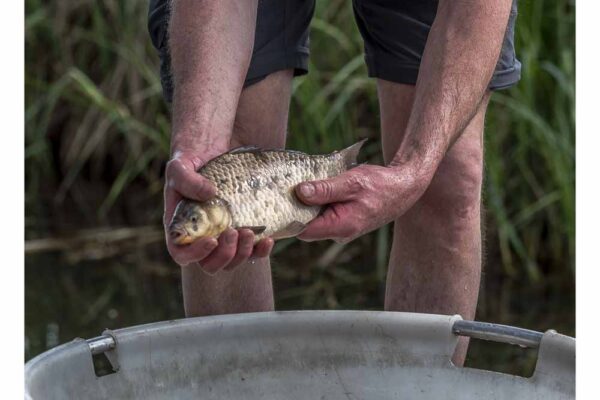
(355, 184)
(324, 189)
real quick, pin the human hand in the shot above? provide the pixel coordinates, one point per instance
(232, 247)
(359, 201)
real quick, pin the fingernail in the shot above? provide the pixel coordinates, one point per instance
(307, 189)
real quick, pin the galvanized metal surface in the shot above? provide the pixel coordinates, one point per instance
(294, 355)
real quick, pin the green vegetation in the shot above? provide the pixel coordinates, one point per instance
(97, 134)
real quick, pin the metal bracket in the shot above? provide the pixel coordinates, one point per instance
(107, 345)
(101, 344)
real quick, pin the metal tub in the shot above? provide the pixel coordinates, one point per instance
(299, 355)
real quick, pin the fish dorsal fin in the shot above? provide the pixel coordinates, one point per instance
(350, 154)
(244, 149)
(293, 229)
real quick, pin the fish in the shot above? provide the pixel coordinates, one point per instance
(255, 190)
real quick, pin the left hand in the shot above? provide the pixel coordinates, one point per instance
(359, 200)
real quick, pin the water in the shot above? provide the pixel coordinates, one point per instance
(65, 299)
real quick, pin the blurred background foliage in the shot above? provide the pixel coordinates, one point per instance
(97, 139)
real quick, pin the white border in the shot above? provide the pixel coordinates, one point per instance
(587, 197)
(12, 167)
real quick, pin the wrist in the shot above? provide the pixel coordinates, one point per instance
(419, 165)
(199, 130)
(202, 147)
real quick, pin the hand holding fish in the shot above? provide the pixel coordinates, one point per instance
(232, 247)
(221, 211)
(358, 201)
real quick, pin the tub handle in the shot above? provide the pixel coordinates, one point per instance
(107, 345)
(498, 333)
(473, 329)
(101, 344)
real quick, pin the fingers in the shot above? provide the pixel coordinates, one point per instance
(196, 251)
(244, 248)
(329, 225)
(223, 254)
(229, 251)
(341, 188)
(263, 248)
(183, 178)
(248, 251)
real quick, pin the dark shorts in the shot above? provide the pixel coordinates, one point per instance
(394, 34)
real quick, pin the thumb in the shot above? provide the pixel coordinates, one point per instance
(334, 190)
(182, 177)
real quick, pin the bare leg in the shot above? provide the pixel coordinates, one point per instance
(435, 261)
(261, 120)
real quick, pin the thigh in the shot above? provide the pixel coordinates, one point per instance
(280, 42)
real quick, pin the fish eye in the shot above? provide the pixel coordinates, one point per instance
(194, 219)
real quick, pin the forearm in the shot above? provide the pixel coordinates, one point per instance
(211, 45)
(458, 62)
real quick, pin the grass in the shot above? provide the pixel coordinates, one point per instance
(97, 134)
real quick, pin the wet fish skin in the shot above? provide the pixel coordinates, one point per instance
(255, 190)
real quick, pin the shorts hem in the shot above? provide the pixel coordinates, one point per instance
(383, 67)
(265, 64)
(506, 78)
(390, 70)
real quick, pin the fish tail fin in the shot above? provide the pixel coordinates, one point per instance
(350, 154)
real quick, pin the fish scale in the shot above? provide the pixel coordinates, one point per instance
(259, 186)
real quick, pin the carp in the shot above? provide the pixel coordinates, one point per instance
(255, 190)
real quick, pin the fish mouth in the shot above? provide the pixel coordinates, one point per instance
(180, 236)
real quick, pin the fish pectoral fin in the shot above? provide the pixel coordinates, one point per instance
(293, 229)
(256, 229)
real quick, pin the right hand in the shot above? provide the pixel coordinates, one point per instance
(232, 248)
